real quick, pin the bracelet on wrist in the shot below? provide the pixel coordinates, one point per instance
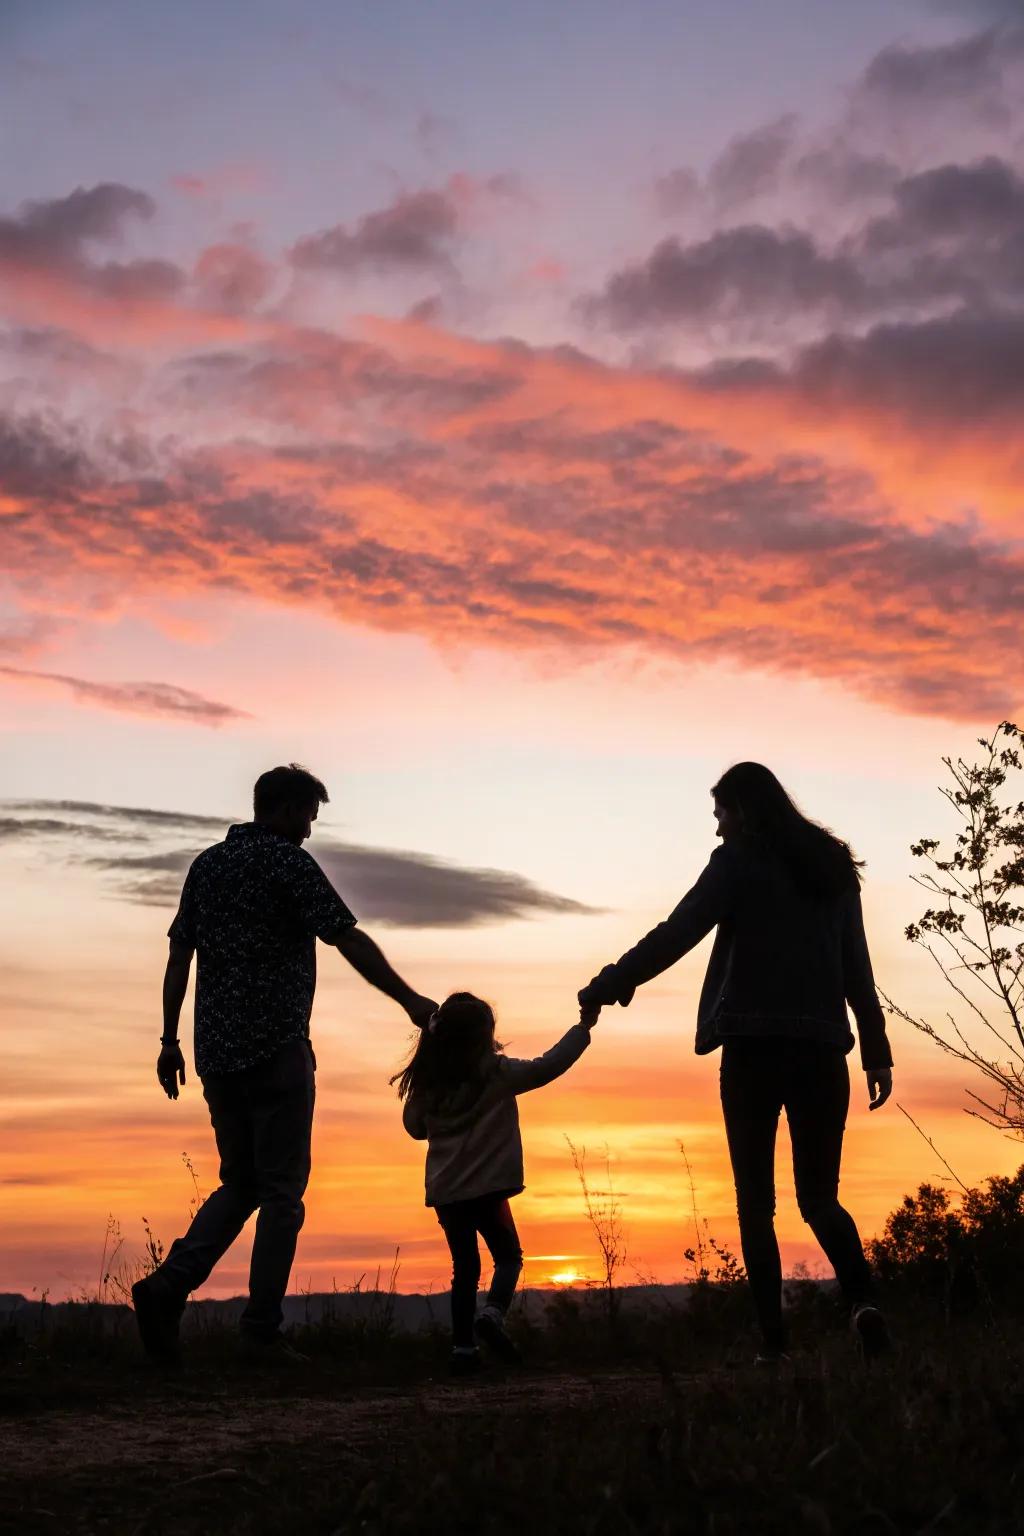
(164, 1040)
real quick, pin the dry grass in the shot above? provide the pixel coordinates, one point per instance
(664, 1427)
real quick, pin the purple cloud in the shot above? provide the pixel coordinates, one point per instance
(415, 232)
(738, 273)
(55, 235)
(752, 163)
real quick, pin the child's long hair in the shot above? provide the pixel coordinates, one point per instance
(451, 1049)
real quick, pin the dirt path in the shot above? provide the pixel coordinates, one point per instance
(125, 1465)
(48, 1443)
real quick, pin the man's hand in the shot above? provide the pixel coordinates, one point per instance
(170, 1067)
(364, 956)
(879, 1086)
(589, 1015)
(170, 1070)
(419, 1010)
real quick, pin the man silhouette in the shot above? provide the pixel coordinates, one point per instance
(252, 908)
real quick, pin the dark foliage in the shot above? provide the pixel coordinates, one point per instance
(966, 1256)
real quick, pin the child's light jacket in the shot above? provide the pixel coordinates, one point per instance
(473, 1142)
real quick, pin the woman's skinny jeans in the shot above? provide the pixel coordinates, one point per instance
(759, 1078)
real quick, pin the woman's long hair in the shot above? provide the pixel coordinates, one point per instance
(821, 863)
(451, 1049)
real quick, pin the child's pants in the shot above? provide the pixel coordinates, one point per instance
(491, 1217)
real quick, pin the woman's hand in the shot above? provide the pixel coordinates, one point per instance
(879, 1086)
(589, 1015)
(599, 991)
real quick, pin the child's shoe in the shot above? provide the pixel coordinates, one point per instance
(490, 1326)
(465, 1362)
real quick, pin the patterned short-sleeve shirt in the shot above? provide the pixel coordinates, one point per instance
(252, 908)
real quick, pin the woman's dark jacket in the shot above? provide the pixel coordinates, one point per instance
(783, 962)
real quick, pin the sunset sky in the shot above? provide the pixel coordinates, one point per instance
(516, 413)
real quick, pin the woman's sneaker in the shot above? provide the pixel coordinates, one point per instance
(273, 1352)
(871, 1331)
(490, 1327)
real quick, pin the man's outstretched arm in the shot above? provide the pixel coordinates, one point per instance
(364, 956)
(170, 1066)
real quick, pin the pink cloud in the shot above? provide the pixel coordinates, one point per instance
(848, 510)
(223, 181)
(492, 495)
(165, 700)
(232, 277)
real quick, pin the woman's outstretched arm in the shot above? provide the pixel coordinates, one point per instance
(699, 911)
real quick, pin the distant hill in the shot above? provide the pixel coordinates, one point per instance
(409, 1312)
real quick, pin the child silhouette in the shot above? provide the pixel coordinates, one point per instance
(459, 1094)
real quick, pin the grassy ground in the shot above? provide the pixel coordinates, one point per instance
(661, 1424)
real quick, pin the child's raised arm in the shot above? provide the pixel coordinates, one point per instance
(521, 1075)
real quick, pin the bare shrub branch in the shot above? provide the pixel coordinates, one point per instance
(975, 931)
(604, 1215)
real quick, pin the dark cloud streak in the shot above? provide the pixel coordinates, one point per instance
(25, 828)
(388, 887)
(133, 820)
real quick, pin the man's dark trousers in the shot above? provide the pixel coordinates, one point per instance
(262, 1119)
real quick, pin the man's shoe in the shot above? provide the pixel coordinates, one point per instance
(465, 1362)
(274, 1352)
(158, 1318)
(490, 1327)
(870, 1330)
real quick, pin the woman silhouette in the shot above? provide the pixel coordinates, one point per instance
(789, 954)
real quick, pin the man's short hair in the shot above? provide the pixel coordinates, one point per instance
(293, 785)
